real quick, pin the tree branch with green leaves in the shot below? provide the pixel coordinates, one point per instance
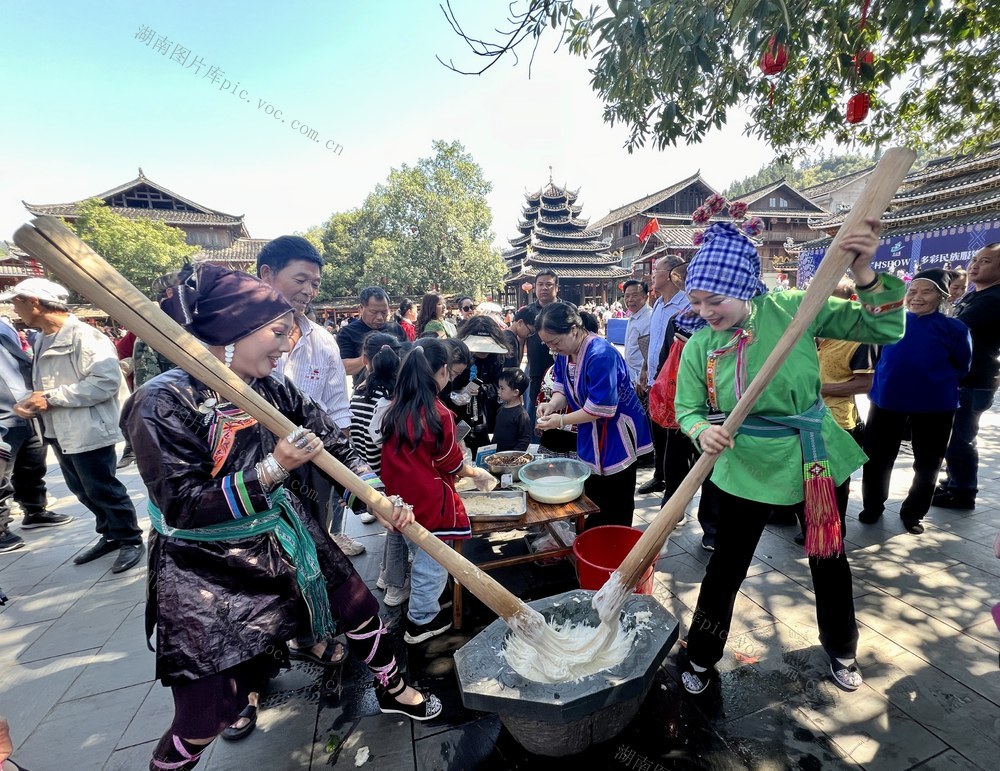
(672, 71)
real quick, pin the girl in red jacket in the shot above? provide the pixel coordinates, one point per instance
(421, 457)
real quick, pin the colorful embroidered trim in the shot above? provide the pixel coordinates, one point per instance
(237, 496)
(739, 342)
(884, 308)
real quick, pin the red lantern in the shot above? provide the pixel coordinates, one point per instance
(527, 286)
(774, 58)
(864, 57)
(857, 108)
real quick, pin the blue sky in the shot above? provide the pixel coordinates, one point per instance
(86, 104)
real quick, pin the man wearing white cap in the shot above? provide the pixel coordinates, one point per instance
(76, 379)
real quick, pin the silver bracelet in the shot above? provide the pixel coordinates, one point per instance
(270, 472)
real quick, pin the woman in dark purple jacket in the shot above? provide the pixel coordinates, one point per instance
(236, 566)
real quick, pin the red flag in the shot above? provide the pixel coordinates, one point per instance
(651, 227)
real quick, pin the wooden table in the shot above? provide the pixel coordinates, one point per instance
(543, 514)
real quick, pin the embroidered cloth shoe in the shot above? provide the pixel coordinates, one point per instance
(99, 549)
(696, 682)
(428, 709)
(348, 545)
(847, 677)
(44, 519)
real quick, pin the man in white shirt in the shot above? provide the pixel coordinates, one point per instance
(670, 302)
(291, 265)
(637, 329)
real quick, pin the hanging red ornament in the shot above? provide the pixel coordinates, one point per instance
(774, 58)
(863, 57)
(527, 286)
(857, 107)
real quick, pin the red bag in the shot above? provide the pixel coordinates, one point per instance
(661, 395)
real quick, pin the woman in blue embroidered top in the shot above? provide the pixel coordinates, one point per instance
(235, 565)
(915, 383)
(592, 380)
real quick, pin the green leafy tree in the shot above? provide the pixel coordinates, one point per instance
(426, 227)
(343, 248)
(672, 70)
(140, 249)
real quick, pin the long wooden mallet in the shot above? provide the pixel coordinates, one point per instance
(86, 272)
(874, 200)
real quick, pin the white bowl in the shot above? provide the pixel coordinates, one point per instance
(554, 480)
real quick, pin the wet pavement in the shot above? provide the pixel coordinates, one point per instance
(76, 679)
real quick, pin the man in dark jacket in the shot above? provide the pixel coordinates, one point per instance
(980, 311)
(539, 356)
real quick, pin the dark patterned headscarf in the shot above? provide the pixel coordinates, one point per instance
(220, 306)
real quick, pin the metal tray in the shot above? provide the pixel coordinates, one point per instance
(518, 498)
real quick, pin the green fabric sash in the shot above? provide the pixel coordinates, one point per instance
(295, 542)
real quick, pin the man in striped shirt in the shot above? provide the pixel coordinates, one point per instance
(292, 266)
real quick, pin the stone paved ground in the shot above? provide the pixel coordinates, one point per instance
(76, 678)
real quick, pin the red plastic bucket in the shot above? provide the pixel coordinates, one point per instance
(600, 550)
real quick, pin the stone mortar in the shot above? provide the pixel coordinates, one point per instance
(557, 719)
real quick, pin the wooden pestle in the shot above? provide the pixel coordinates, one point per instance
(78, 266)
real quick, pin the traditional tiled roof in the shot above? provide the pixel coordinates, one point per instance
(243, 251)
(638, 207)
(578, 235)
(183, 211)
(954, 189)
(609, 273)
(71, 211)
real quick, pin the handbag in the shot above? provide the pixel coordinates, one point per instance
(664, 389)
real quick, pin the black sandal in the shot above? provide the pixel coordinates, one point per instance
(428, 709)
(231, 734)
(333, 655)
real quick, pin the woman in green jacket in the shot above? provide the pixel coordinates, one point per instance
(790, 447)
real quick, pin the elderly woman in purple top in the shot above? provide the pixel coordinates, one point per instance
(592, 380)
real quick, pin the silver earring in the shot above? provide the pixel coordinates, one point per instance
(230, 351)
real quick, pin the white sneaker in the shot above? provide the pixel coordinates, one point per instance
(348, 545)
(366, 518)
(380, 581)
(397, 595)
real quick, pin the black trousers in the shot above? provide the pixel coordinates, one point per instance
(90, 476)
(678, 460)
(741, 523)
(929, 433)
(26, 483)
(615, 495)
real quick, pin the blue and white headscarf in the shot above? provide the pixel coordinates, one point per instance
(727, 263)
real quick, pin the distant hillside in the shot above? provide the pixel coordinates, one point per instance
(809, 172)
